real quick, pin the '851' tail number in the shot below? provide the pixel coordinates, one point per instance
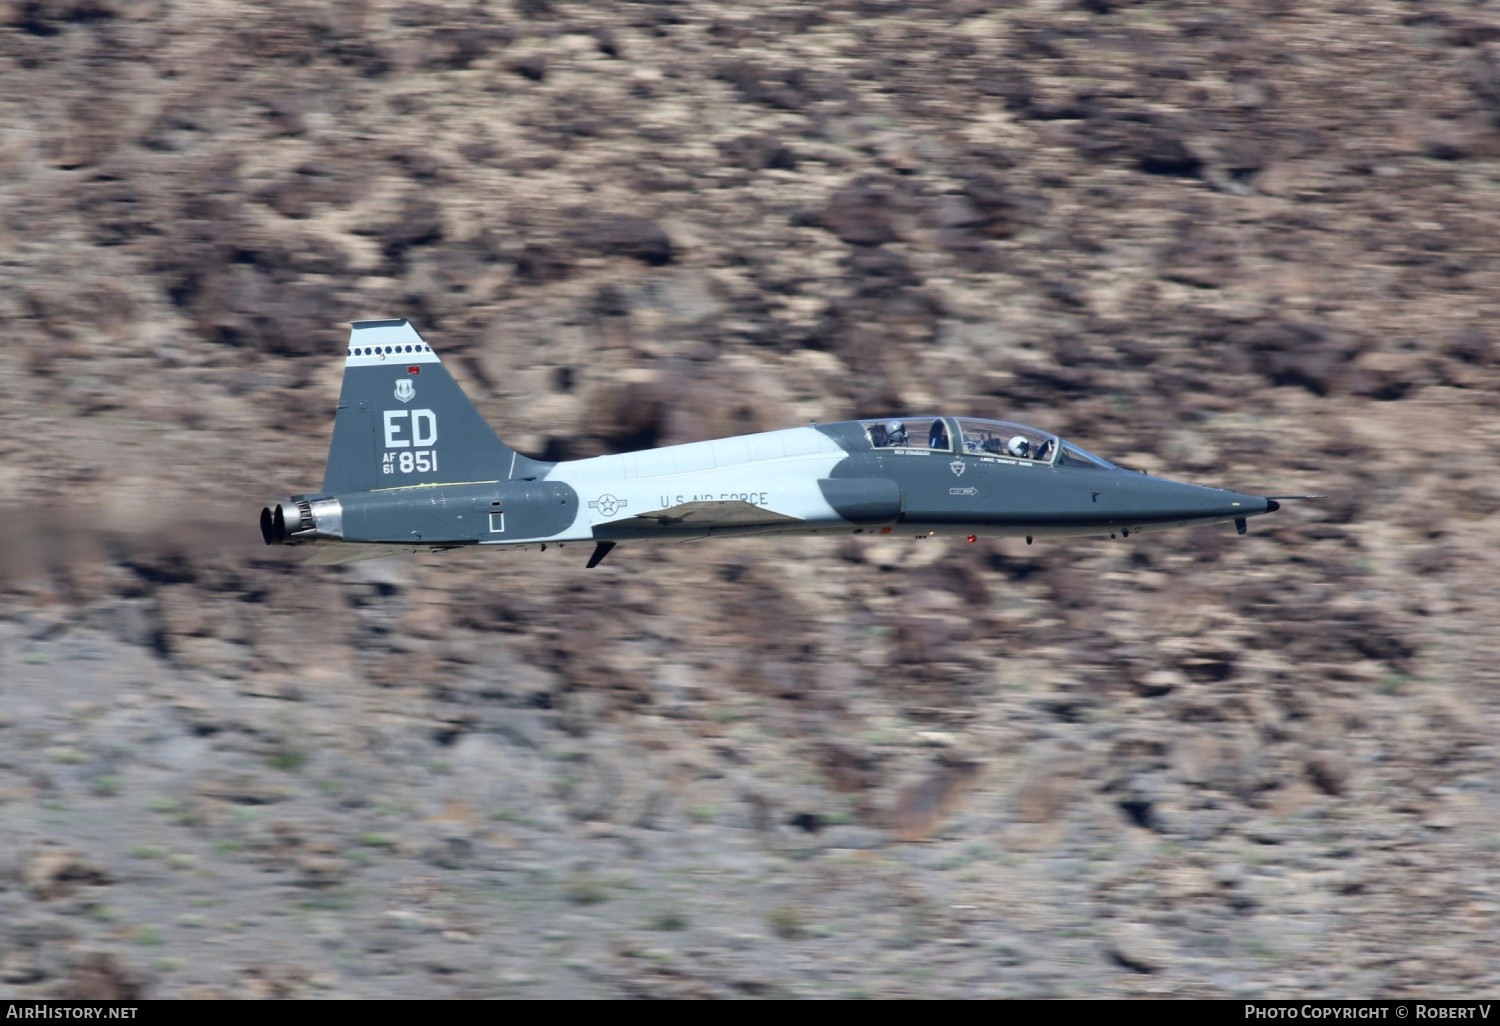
(419, 461)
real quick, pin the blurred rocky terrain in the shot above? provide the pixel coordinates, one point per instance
(1241, 242)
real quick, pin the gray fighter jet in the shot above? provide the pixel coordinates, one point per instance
(414, 466)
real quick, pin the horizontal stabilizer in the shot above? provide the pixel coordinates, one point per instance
(727, 513)
(337, 555)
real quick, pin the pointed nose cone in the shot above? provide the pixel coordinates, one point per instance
(1245, 505)
(1158, 500)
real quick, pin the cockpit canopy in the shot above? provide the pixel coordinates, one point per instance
(974, 437)
(909, 433)
(1002, 438)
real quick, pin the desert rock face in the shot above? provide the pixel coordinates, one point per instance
(1241, 243)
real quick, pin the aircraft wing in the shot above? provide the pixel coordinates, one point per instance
(727, 513)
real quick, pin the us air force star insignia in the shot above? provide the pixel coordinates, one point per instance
(957, 466)
(607, 505)
(405, 391)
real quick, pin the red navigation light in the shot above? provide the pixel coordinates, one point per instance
(414, 370)
(972, 538)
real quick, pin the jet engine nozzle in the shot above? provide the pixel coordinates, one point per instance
(298, 520)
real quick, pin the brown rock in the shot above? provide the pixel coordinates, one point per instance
(1043, 796)
(632, 237)
(540, 264)
(999, 211)
(241, 789)
(860, 214)
(758, 152)
(1474, 346)
(531, 66)
(57, 872)
(263, 983)
(850, 771)
(1158, 682)
(100, 976)
(1387, 376)
(1138, 948)
(922, 807)
(22, 964)
(1328, 772)
(318, 871)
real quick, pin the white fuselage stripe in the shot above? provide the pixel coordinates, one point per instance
(776, 471)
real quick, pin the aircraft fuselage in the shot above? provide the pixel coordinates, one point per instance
(436, 476)
(817, 478)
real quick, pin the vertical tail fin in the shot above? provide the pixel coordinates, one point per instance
(402, 420)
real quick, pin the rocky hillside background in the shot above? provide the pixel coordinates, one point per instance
(1241, 242)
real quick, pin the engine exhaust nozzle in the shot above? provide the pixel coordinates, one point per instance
(298, 520)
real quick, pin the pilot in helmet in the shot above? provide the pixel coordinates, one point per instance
(895, 431)
(1019, 447)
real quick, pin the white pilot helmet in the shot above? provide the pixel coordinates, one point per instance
(896, 429)
(1018, 446)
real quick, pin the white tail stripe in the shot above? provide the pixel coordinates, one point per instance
(386, 343)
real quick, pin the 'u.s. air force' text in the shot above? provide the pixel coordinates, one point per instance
(754, 498)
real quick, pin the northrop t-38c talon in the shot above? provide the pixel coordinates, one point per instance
(414, 466)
